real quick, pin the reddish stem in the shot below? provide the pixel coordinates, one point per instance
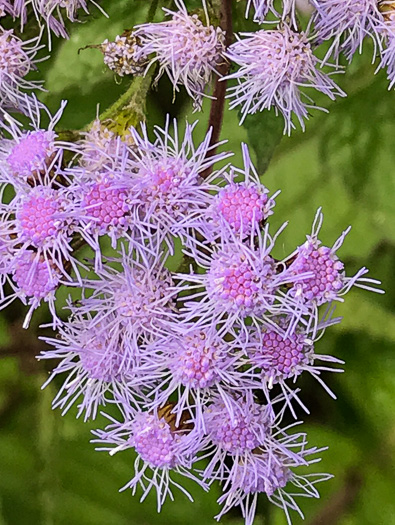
(218, 103)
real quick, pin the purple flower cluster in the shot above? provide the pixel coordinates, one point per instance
(189, 355)
(275, 67)
(201, 357)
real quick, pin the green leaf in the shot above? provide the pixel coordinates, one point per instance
(264, 131)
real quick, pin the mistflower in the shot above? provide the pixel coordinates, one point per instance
(134, 297)
(16, 61)
(261, 9)
(243, 206)
(101, 149)
(242, 281)
(185, 48)
(29, 155)
(161, 446)
(168, 182)
(269, 474)
(328, 281)
(52, 12)
(279, 355)
(107, 205)
(241, 433)
(35, 278)
(274, 67)
(348, 22)
(96, 365)
(195, 364)
(121, 55)
(103, 187)
(7, 251)
(43, 217)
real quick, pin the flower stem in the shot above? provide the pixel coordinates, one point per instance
(218, 103)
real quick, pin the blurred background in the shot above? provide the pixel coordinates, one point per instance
(344, 162)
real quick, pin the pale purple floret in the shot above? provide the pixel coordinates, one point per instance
(16, 61)
(109, 205)
(194, 364)
(262, 7)
(29, 154)
(238, 432)
(168, 182)
(275, 68)
(242, 206)
(52, 13)
(43, 217)
(39, 217)
(34, 280)
(96, 364)
(103, 187)
(244, 432)
(280, 354)
(6, 8)
(348, 23)
(328, 281)
(133, 297)
(186, 49)
(99, 147)
(269, 474)
(242, 280)
(162, 448)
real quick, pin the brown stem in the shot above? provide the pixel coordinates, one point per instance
(218, 103)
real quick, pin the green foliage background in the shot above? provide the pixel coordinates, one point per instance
(344, 162)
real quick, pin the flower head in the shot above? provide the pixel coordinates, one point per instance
(195, 364)
(238, 201)
(96, 365)
(278, 354)
(348, 22)
(269, 474)
(27, 155)
(274, 66)
(327, 281)
(134, 297)
(168, 184)
(387, 32)
(186, 49)
(161, 446)
(16, 61)
(35, 278)
(52, 13)
(242, 281)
